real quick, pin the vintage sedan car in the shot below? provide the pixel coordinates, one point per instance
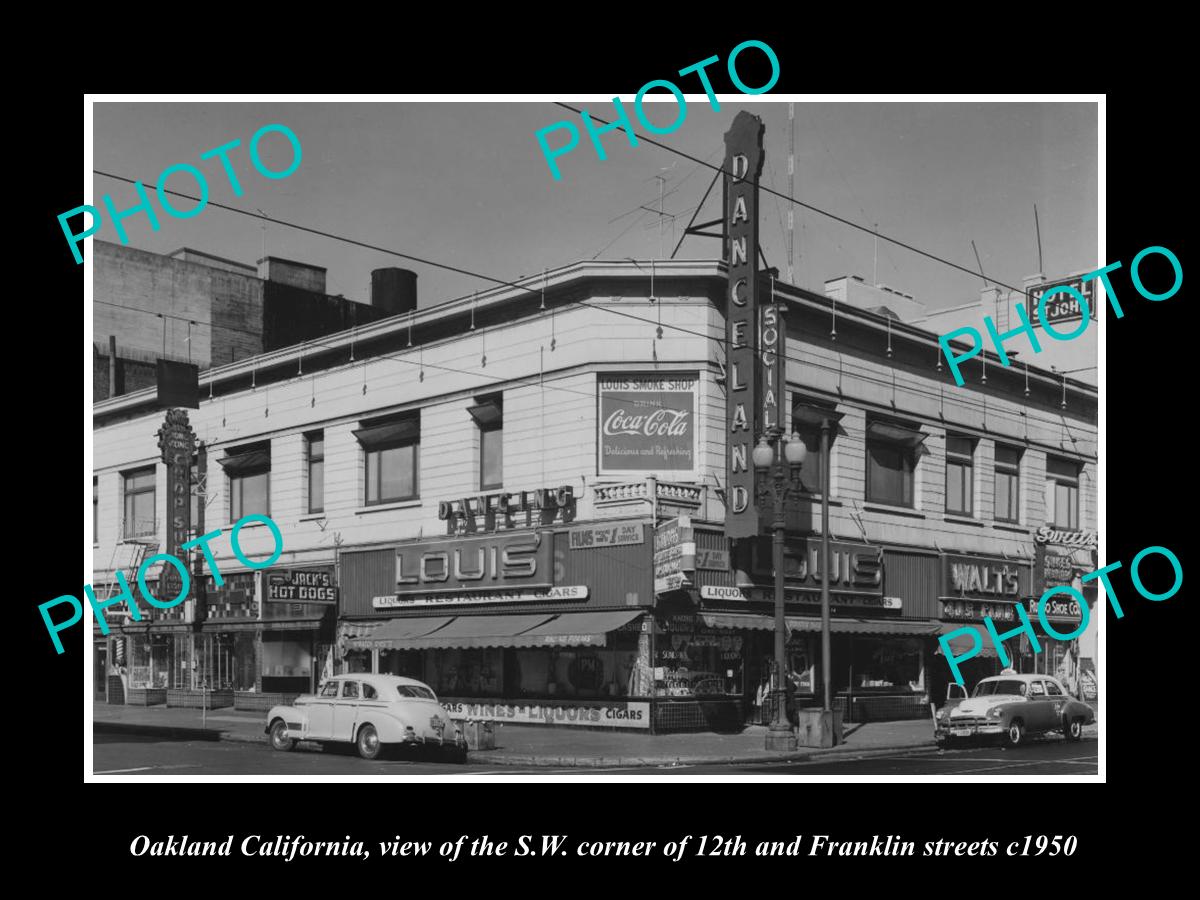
(373, 712)
(1012, 707)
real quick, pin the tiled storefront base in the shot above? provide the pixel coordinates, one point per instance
(146, 696)
(198, 699)
(669, 716)
(260, 701)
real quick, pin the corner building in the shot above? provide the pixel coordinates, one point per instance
(469, 494)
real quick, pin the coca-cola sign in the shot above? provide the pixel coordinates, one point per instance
(647, 423)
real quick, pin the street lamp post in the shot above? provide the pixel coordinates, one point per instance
(778, 461)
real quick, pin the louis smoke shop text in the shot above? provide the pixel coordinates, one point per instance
(521, 499)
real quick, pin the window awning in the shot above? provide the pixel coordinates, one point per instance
(812, 416)
(488, 411)
(476, 631)
(738, 620)
(962, 644)
(395, 431)
(582, 629)
(896, 433)
(865, 626)
(393, 634)
(247, 463)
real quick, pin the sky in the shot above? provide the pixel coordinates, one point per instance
(466, 184)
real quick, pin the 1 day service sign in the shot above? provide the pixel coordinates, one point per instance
(648, 423)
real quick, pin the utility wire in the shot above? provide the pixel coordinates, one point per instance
(965, 399)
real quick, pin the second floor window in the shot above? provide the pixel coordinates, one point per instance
(806, 421)
(891, 462)
(392, 448)
(139, 502)
(488, 414)
(1008, 484)
(1062, 493)
(315, 445)
(960, 455)
(249, 471)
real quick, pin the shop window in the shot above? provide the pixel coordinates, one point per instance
(225, 661)
(139, 502)
(287, 663)
(960, 470)
(314, 444)
(1062, 493)
(892, 451)
(697, 661)
(1008, 483)
(249, 471)
(888, 663)
(357, 661)
(488, 413)
(392, 448)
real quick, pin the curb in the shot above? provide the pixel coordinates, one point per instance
(175, 732)
(597, 762)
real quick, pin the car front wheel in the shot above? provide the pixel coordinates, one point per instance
(1015, 736)
(369, 745)
(1074, 730)
(279, 736)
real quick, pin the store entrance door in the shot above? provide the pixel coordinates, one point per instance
(100, 672)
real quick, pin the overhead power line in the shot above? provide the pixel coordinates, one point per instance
(966, 400)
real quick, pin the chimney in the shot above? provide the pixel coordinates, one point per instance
(296, 274)
(394, 291)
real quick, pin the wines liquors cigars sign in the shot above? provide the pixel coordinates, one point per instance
(647, 423)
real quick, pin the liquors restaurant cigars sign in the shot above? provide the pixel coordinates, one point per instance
(647, 423)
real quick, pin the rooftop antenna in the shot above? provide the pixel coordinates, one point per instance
(979, 263)
(1038, 230)
(791, 223)
(875, 266)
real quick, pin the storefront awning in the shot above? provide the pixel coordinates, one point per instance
(394, 633)
(738, 620)
(865, 626)
(583, 629)
(962, 644)
(476, 631)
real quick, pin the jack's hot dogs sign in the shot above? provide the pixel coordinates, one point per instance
(647, 423)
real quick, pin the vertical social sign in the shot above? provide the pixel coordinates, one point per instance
(177, 441)
(743, 165)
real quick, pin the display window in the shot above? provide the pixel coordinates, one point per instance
(891, 663)
(287, 663)
(693, 660)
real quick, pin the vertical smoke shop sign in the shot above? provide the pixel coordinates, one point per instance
(743, 165)
(177, 442)
(648, 423)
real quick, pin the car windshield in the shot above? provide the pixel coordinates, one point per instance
(413, 690)
(1004, 686)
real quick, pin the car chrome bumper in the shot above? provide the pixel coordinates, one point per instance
(961, 731)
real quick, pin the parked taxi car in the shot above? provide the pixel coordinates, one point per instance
(1012, 707)
(373, 712)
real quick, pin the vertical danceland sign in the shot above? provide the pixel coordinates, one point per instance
(743, 165)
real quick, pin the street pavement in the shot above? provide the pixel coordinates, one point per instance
(139, 754)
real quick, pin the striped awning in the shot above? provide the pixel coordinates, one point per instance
(394, 634)
(748, 621)
(581, 629)
(467, 632)
(962, 644)
(865, 626)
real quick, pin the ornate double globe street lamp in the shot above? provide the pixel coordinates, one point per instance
(778, 460)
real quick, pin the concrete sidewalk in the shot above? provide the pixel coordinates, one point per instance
(521, 745)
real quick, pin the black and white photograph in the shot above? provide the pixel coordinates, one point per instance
(732, 435)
